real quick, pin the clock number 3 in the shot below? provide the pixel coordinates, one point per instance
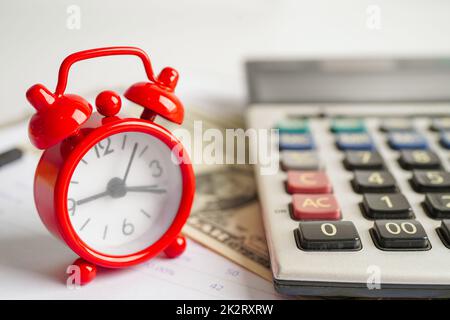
(107, 149)
(127, 228)
(156, 168)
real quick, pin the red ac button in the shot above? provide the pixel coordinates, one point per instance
(315, 207)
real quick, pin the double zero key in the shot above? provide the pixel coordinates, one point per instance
(399, 235)
(327, 236)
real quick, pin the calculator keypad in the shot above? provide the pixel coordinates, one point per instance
(399, 235)
(322, 224)
(328, 236)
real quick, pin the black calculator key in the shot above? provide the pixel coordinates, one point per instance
(363, 160)
(328, 236)
(400, 235)
(431, 181)
(444, 232)
(386, 206)
(300, 160)
(437, 205)
(373, 182)
(419, 159)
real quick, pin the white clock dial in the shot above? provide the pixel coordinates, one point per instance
(124, 194)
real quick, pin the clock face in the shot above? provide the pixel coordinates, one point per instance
(124, 193)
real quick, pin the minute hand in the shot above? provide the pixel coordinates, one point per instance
(150, 188)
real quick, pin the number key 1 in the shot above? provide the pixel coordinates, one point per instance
(386, 206)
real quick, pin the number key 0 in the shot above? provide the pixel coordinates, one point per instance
(327, 236)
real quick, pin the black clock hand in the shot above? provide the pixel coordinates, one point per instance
(130, 162)
(151, 189)
(94, 197)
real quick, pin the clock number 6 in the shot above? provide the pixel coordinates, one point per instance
(100, 146)
(127, 228)
(158, 169)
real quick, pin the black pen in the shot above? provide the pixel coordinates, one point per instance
(10, 156)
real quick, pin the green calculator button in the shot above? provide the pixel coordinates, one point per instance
(347, 125)
(293, 126)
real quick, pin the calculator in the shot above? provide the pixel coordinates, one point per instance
(360, 204)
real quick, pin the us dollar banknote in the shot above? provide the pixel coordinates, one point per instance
(226, 217)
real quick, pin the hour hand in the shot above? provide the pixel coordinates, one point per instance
(149, 188)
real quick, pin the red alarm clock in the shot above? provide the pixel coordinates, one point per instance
(116, 190)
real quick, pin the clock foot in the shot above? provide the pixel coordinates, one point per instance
(177, 247)
(88, 270)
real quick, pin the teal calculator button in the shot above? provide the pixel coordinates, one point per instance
(347, 125)
(293, 126)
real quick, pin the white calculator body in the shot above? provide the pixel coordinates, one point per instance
(360, 205)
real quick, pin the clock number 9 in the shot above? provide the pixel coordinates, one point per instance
(71, 205)
(157, 172)
(107, 148)
(127, 228)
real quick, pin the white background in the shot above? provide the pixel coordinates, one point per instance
(208, 41)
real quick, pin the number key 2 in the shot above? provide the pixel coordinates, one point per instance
(386, 206)
(400, 235)
(431, 181)
(327, 236)
(373, 182)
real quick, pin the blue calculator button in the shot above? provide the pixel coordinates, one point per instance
(290, 141)
(354, 141)
(293, 126)
(347, 125)
(445, 139)
(407, 140)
